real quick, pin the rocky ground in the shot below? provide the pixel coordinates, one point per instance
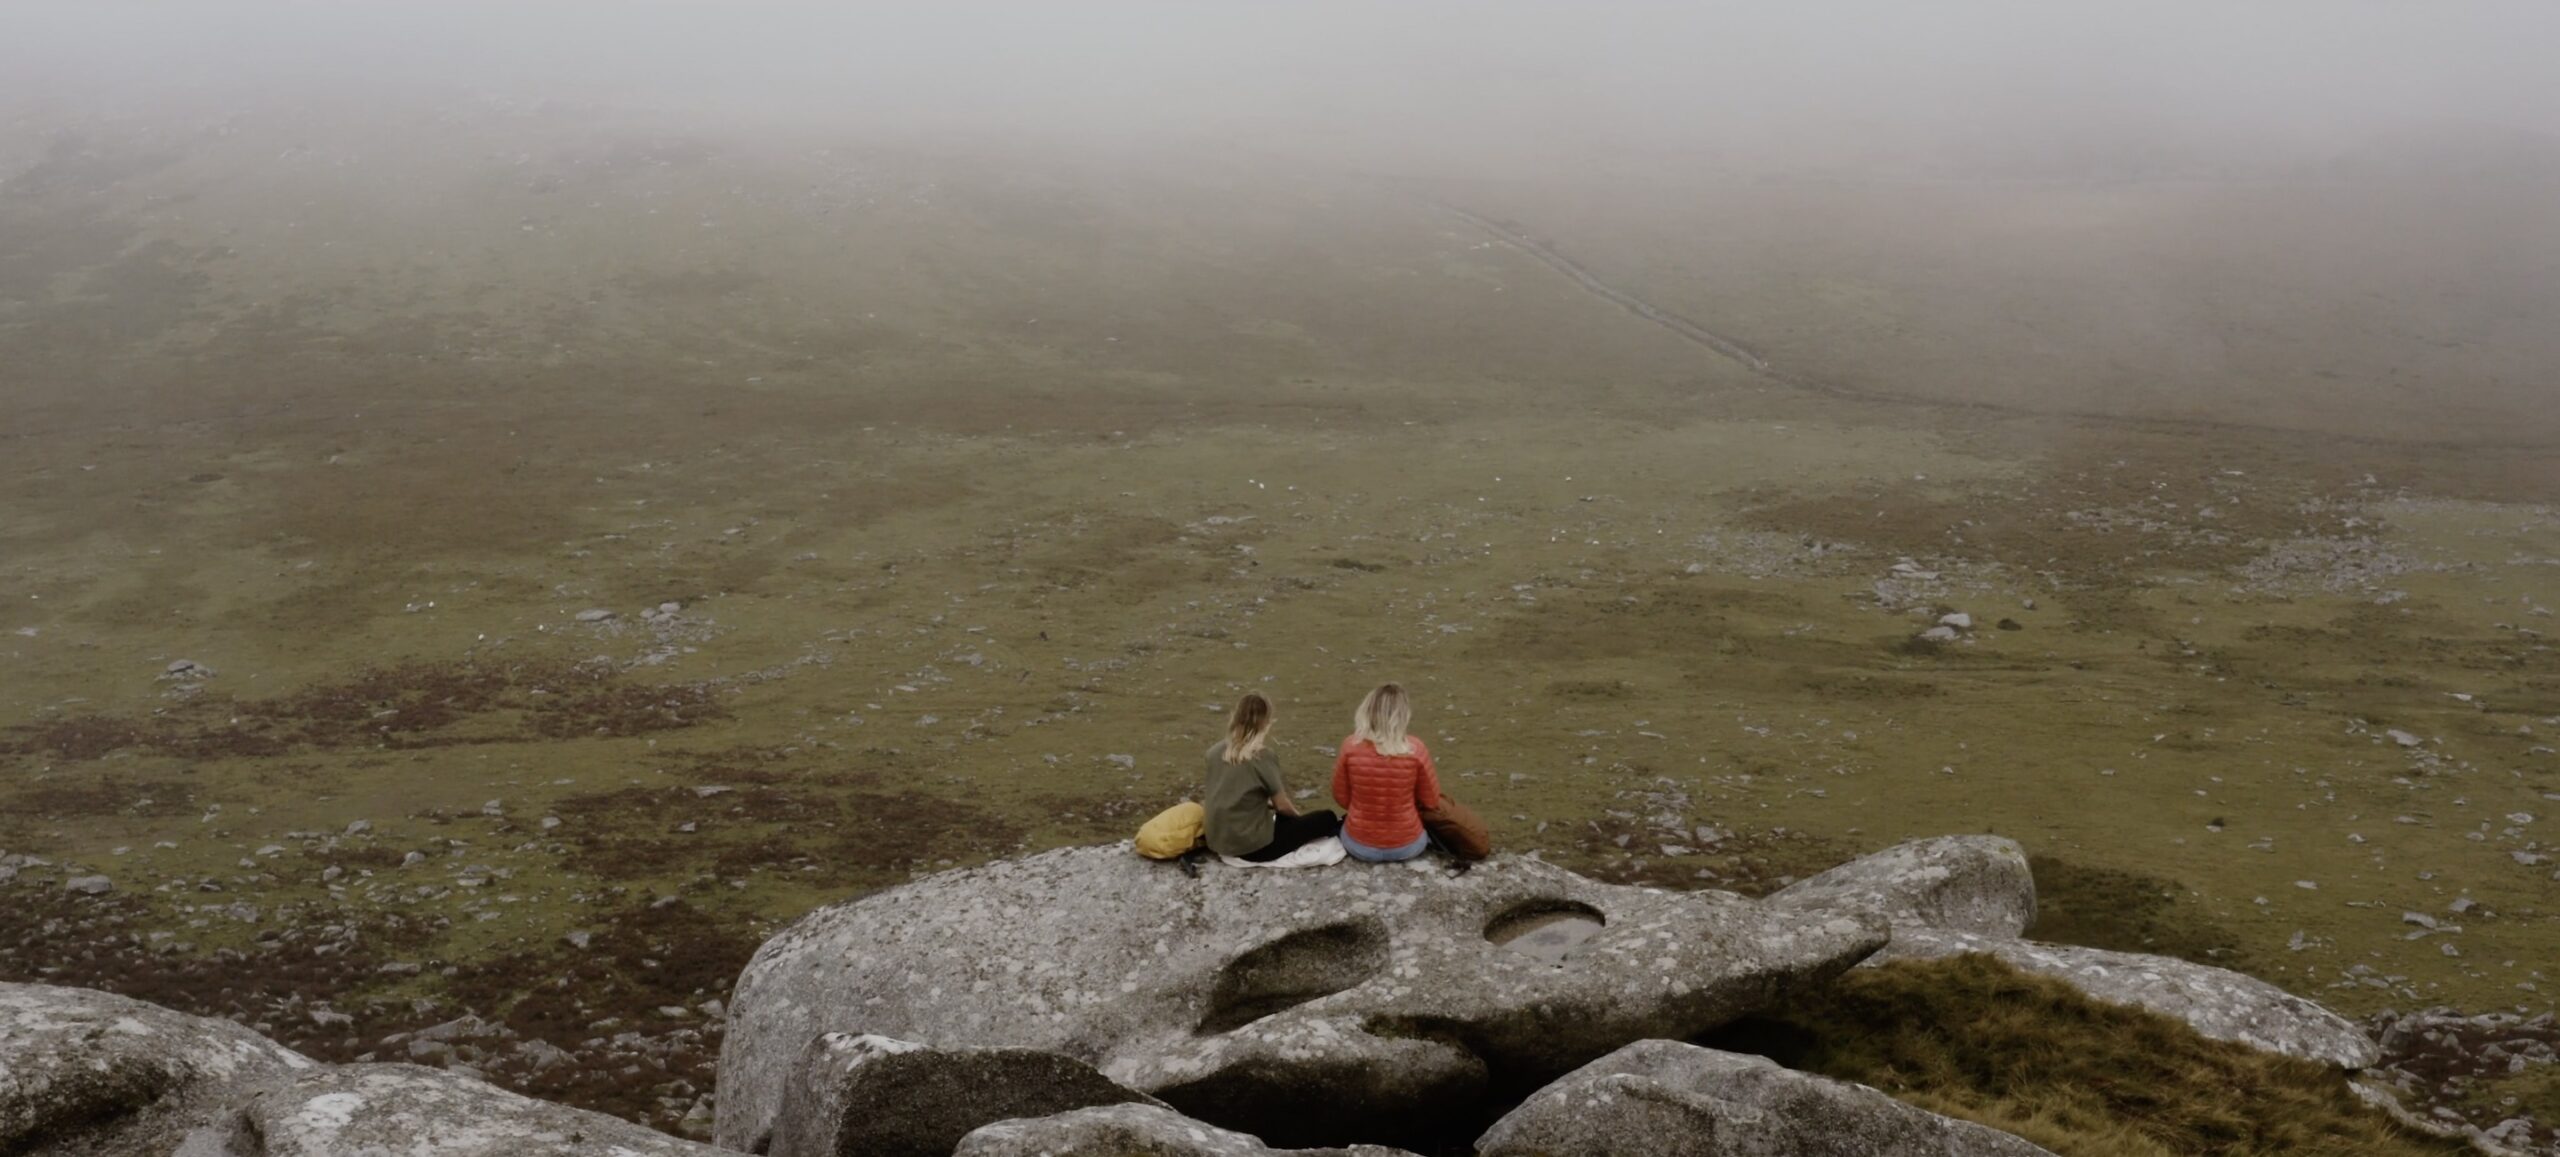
(1088, 1001)
(2459, 1070)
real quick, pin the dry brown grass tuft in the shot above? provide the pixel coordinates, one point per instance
(1971, 1037)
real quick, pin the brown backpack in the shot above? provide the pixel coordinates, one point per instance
(1458, 829)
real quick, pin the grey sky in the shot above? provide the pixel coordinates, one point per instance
(1839, 82)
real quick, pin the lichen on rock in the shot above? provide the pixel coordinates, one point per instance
(1357, 1001)
(890, 1098)
(1132, 1130)
(1977, 884)
(1667, 1099)
(76, 1061)
(410, 1111)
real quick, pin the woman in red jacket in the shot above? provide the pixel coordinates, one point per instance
(1383, 778)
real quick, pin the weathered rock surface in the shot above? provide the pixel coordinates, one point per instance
(1667, 1099)
(890, 1098)
(2220, 1003)
(90, 1071)
(1977, 884)
(1292, 1004)
(409, 1111)
(1131, 1131)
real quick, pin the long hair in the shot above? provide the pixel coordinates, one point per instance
(1248, 726)
(1382, 718)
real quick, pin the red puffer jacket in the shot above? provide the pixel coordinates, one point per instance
(1382, 794)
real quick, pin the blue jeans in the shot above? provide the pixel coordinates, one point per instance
(1361, 851)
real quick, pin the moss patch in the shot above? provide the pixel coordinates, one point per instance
(1971, 1037)
(2127, 912)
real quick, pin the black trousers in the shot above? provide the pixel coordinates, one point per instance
(1290, 833)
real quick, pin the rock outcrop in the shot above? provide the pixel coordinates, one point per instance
(1977, 884)
(1087, 1001)
(2218, 1002)
(890, 1098)
(361, 1110)
(1959, 894)
(75, 1063)
(1131, 1131)
(1348, 1002)
(98, 1075)
(1667, 1099)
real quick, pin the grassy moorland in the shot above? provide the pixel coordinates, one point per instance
(608, 542)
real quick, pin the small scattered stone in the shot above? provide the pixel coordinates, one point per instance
(89, 885)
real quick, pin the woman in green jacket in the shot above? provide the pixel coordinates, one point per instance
(1251, 816)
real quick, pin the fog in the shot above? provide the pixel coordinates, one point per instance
(2008, 88)
(2307, 213)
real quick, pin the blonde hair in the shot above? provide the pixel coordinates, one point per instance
(1383, 715)
(1247, 727)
